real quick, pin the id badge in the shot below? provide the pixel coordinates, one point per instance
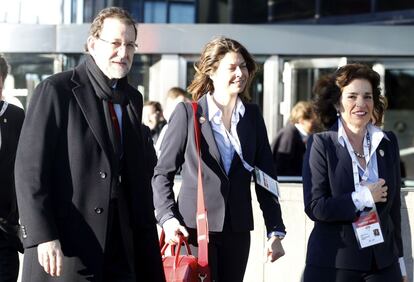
(367, 229)
(267, 182)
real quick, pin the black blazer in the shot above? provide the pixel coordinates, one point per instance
(10, 125)
(288, 151)
(65, 173)
(328, 184)
(223, 193)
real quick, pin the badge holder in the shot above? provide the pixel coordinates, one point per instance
(367, 228)
(267, 182)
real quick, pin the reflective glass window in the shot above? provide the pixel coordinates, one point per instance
(182, 13)
(344, 7)
(291, 9)
(387, 5)
(155, 12)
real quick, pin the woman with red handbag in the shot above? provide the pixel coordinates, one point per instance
(233, 145)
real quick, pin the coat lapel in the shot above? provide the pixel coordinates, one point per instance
(133, 113)
(207, 131)
(382, 160)
(343, 168)
(89, 105)
(245, 128)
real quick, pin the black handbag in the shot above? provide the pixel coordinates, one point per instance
(12, 234)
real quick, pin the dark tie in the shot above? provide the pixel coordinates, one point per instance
(115, 121)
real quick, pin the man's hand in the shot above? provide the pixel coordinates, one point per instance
(172, 229)
(274, 249)
(50, 257)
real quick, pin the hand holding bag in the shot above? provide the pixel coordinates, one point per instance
(188, 268)
(177, 267)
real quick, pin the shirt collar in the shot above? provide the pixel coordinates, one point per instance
(375, 132)
(301, 129)
(214, 111)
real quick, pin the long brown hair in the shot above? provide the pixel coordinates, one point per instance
(209, 61)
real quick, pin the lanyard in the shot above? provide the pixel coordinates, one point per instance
(367, 156)
(237, 148)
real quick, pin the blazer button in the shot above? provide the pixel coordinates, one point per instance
(102, 174)
(99, 210)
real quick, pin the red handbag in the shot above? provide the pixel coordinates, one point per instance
(177, 267)
(188, 268)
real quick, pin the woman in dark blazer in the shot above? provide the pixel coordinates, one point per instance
(349, 170)
(233, 140)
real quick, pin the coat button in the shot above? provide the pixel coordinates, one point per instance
(99, 210)
(102, 174)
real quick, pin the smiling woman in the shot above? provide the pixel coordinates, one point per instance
(233, 142)
(351, 173)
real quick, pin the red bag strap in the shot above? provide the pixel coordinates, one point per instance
(176, 249)
(202, 222)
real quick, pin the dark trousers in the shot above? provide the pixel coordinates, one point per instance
(228, 253)
(117, 267)
(9, 264)
(324, 274)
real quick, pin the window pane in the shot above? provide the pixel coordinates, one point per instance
(182, 13)
(291, 9)
(398, 116)
(345, 7)
(399, 89)
(155, 12)
(387, 5)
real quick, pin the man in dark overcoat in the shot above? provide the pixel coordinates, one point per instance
(83, 169)
(11, 120)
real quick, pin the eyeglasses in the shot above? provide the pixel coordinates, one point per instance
(117, 44)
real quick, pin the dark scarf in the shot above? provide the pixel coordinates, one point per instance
(103, 87)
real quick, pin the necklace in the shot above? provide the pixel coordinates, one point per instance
(362, 156)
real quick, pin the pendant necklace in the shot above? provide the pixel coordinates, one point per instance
(362, 156)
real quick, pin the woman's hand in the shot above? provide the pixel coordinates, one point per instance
(378, 190)
(404, 279)
(274, 249)
(173, 229)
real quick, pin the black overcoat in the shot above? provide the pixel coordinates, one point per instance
(64, 175)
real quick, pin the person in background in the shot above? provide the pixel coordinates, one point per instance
(351, 180)
(11, 120)
(152, 117)
(175, 95)
(83, 168)
(289, 145)
(233, 142)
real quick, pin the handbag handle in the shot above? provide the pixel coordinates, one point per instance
(176, 249)
(202, 222)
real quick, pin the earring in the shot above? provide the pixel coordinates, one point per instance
(338, 114)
